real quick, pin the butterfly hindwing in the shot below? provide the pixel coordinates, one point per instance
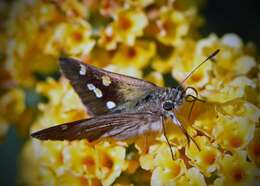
(118, 126)
(103, 91)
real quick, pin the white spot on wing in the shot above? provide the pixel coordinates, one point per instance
(91, 86)
(110, 104)
(106, 80)
(98, 92)
(82, 70)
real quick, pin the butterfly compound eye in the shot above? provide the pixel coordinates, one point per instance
(168, 105)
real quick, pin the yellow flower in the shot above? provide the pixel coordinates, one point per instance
(127, 70)
(62, 99)
(72, 8)
(140, 3)
(204, 116)
(192, 177)
(164, 169)
(137, 56)
(169, 173)
(110, 161)
(185, 58)
(212, 76)
(173, 26)
(205, 158)
(240, 133)
(76, 161)
(80, 159)
(156, 78)
(239, 118)
(236, 170)
(129, 24)
(72, 38)
(25, 46)
(74, 180)
(236, 88)
(108, 38)
(12, 104)
(162, 65)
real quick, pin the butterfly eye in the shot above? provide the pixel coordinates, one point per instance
(168, 105)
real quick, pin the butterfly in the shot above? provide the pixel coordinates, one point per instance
(121, 106)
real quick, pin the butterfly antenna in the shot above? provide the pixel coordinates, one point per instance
(164, 133)
(212, 55)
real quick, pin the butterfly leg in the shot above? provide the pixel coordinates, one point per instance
(177, 122)
(164, 133)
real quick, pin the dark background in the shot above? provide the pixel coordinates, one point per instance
(221, 16)
(239, 16)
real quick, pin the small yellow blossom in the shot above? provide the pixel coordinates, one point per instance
(12, 104)
(192, 177)
(72, 9)
(25, 46)
(62, 99)
(129, 24)
(108, 38)
(72, 38)
(173, 25)
(240, 133)
(137, 56)
(236, 170)
(162, 65)
(184, 61)
(204, 158)
(156, 78)
(237, 88)
(130, 71)
(239, 118)
(110, 162)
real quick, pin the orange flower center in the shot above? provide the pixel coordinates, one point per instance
(108, 38)
(238, 174)
(77, 36)
(83, 181)
(131, 52)
(89, 161)
(196, 78)
(176, 170)
(235, 141)
(107, 5)
(167, 25)
(107, 162)
(124, 23)
(209, 158)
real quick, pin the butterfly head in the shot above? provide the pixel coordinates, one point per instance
(174, 97)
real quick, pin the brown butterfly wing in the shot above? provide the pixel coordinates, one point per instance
(102, 91)
(119, 126)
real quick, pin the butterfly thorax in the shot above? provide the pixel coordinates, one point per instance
(154, 101)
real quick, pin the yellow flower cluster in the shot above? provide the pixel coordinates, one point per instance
(154, 40)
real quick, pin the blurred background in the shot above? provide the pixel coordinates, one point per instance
(238, 16)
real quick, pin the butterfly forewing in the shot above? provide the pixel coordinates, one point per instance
(118, 126)
(102, 91)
